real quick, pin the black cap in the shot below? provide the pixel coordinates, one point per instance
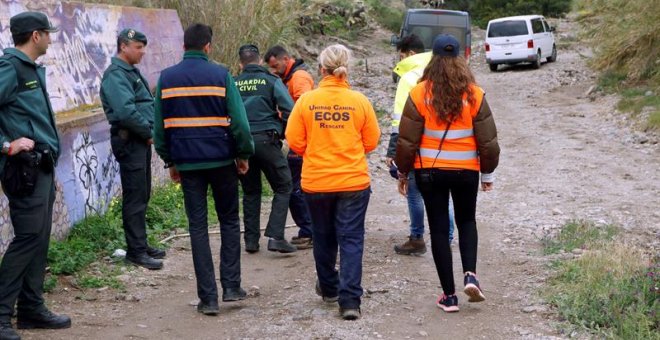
(131, 34)
(445, 45)
(28, 22)
(249, 47)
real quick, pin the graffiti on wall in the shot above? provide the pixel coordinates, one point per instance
(87, 175)
(81, 50)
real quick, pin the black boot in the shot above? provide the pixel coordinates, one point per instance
(144, 260)
(156, 253)
(7, 332)
(45, 319)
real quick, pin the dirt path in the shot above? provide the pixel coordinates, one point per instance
(564, 156)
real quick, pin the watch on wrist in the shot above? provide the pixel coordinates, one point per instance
(5, 148)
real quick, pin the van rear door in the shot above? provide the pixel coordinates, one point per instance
(427, 24)
(508, 39)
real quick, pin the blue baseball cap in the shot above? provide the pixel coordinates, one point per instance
(445, 45)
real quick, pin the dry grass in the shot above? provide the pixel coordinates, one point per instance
(625, 35)
(235, 22)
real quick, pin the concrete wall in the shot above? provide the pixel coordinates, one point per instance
(87, 176)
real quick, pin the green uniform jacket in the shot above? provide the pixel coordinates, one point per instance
(126, 99)
(25, 109)
(239, 124)
(264, 95)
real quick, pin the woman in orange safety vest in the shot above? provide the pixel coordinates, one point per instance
(333, 127)
(448, 135)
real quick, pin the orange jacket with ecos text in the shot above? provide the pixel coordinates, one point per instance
(333, 128)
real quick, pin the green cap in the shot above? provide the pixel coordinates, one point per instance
(131, 34)
(28, 22)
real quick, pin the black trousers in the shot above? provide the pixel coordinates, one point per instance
(134, 158)
(224, 185)
(267, 158)
(23, 266)
(435, 186)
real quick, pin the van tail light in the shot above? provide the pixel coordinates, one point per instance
(530, 43)
(487, 46)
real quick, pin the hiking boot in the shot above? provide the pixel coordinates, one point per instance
(350, 313)
(448, 304)
(233, 294)
(7, 332)
(282, 246)
(144, 260)
(414, 246)
(327, 299)
(472, 288)
(251, 247)
(302, 242)
(208, 308)
(156, 253)
(44, 320)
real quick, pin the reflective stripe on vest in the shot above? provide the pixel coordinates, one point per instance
(196, 122)
(195, 91)
(459, 149)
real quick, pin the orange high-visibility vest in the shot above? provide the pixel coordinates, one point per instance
(459, 150)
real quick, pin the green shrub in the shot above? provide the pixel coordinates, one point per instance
(611, 291)
(577, 234)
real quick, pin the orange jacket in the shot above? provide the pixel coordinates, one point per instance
(459, 149)
(297, 79)
(333, 127)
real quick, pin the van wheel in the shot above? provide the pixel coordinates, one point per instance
(553, 57)
(537, 63)
(493, 67)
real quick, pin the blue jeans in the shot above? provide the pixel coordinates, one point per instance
(297, 204)
(416, 210)
(338, 219)
(224, 185)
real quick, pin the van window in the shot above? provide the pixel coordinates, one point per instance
(507, 28)
(546, 25)
(537, 26)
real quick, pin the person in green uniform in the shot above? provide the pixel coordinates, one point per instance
(30, 147)
(202, 134)
(265, 98)
(129, 107)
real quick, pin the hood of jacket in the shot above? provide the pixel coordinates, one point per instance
(412, 62)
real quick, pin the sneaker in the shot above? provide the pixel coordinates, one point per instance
(327, 299)
(282, 246)
(208, 308)
(303, 243)
(472, 288)
(43, 320)
(414, 246)
(448, 304)
(350, 313)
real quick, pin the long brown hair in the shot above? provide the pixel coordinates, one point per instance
(449, 78)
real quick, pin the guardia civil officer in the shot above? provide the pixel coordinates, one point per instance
(264, 95)
(128, 104)
(202, 133)
(30, 147)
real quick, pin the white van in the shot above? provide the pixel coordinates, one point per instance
(513, 40)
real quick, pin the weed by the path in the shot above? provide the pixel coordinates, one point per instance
(577, 234)
(611, 290)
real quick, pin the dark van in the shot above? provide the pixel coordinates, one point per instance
(428, 23)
